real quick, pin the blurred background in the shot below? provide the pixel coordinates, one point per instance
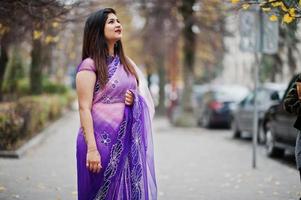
(201, 81)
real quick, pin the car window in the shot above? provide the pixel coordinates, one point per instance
(281, 93)
(248, 100)
(263, 97)
(292, 81)
(228, 94)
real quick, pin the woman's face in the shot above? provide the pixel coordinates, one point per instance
(113, 28)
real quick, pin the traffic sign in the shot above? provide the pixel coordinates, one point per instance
(258, 33)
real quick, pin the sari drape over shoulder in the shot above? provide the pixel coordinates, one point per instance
(123, 135)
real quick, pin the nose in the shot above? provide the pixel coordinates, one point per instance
(118, 25)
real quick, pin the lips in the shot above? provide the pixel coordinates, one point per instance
(118, 31)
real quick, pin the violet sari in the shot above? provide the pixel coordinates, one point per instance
(123, 137)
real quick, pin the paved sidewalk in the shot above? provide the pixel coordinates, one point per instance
(201, 164)
(191, 164)
(47, 171)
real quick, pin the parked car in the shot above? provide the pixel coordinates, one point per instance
(215, 107)
(244, 113)
(279, 130)
(198, 92)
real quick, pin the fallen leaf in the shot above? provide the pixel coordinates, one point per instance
(2, 189)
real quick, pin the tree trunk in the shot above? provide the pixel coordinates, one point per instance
(3, 63)
(291, 61)
(189, 55)
(161, 70)
(188, 71)
(36, 67)
(187, 118)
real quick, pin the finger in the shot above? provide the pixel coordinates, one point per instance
(128, 102)
(128, 99)
(128, 95)
(92, 164)
(94, 168)
(91, 167)
(98, 167)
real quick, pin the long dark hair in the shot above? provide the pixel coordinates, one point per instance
(95, 45)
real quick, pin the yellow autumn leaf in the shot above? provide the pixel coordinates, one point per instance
(266, 9)
(50, 39)
(287, 18)
(2, 189)
(234, 1)
(273, 18)
(37, 34)
(292, 12)
(283, 7)
(55, 24)
(245, 6)
(4, 29)
(276, 4)
(56, 39)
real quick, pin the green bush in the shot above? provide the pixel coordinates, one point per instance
(11, 125)
(51, 87)
(34, 110)
(22, 88)
(22, 119)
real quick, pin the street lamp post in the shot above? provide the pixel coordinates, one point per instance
(258, 35)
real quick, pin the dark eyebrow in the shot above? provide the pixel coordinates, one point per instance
(113, 19)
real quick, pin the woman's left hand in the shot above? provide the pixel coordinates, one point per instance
(129, 98)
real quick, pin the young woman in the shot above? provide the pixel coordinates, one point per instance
(114, 145)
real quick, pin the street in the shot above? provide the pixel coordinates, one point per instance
(191, 163)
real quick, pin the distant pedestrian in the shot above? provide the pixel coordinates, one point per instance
(292, 104)
(114, 144)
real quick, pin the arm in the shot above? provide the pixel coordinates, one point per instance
(292, 101)
(84, 87)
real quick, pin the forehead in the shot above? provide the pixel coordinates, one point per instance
(112, 16)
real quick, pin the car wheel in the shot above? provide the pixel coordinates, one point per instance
(235, 130)
(261, 135)
(272, 150)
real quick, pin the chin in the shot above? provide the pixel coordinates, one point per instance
(116, 39)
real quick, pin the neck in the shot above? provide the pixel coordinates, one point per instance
(111, 48)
